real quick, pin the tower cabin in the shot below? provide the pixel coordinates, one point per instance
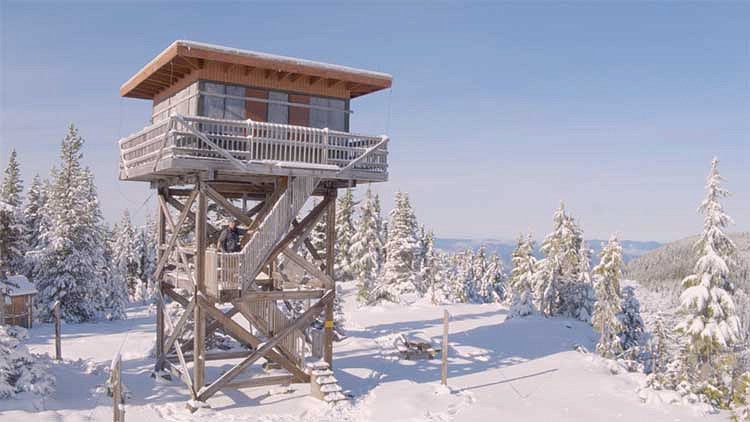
(250, 137)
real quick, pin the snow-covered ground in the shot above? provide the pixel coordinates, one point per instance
(517, 370)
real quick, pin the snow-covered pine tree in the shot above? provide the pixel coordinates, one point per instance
(72, 261)
(344, 233)
(146, 242)
(607, 278)
(114, 294)
(558, 273)
(33, 215)
(496, 272)
(709, 318)
(522, 278)
(125, 254)
(20, 371)
(477, 285)
(581, 295)
(397, 277)
(12, 228)
(631, 321)
(366, 248)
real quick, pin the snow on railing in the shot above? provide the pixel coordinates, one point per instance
(254, 142)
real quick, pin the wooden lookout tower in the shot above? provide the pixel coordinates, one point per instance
(252, 137)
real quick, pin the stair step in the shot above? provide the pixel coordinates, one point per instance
(334, 397)
(330, 388)
(322, 380)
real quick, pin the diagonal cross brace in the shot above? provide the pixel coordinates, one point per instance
(265, 347)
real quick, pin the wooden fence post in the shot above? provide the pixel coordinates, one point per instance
(58, 345)
(444, 366)
(115, 381)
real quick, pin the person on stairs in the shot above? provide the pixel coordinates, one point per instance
(229, 239)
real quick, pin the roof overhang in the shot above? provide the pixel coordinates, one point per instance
(182, 57)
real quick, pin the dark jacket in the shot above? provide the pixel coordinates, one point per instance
(229, 240)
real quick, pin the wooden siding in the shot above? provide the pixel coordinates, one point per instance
(299, 116)
(261, 78)
(18, 312)
(256, 110)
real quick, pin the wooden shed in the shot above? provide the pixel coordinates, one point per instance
(17, 294)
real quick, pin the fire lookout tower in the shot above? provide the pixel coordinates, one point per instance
(251, 136)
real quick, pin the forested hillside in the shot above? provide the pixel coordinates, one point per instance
(664, 268)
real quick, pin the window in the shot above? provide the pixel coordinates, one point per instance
(326, 113)
(218, 105)
(278, 113)
(235, 102)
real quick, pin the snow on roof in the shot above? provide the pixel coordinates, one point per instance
(278, 58)
(17, 285)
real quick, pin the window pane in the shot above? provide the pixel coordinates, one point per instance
(337, 119)
(318, 117)
(235, 107)
(278, 113)
(213, 106)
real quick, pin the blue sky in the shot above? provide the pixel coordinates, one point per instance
(498, 110)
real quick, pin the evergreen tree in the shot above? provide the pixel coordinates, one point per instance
(709, 317)
(125, 255)
(12, 229)
(557, 277)
(147, 248)
(72, 261)
(37, 223)
(20, 371)
(631, 321)
(344, 234)
(398, 277)
(522, 278)
(607, 278)
(366, 248)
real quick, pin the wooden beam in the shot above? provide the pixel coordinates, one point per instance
(185, 372)
(332, 82)
(281, 75)
(313, 79)
(246, 338)
(173, 239)
(248, 69)
(264, 348)
(171, 200)
(176, 296)
(298, 230)
(310, 268)
(213, 326)
(268, 73)
(211, 356)
(161, 235)
(280, 295)
(259, 382)
(176, 331)
(175, 232)
(228, 206)
(294, 76)
(199, 322)
(330, 250)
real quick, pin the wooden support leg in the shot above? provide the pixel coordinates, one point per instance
(199, 342)
(160, 241)
(330, 243)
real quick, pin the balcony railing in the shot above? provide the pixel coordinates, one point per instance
(248, 144)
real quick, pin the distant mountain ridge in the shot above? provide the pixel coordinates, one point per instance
(631, 248)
